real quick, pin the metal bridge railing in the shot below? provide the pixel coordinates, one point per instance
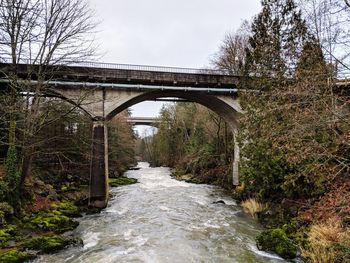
(147, 68)
(340, 75)
(104, 65)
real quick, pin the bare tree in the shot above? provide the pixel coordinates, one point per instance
(232, 53)
(328, 21)
(41, 33)
(46, 31)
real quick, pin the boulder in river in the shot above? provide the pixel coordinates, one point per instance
(220, 202)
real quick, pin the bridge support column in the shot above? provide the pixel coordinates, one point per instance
(98, 196)
(235, 174)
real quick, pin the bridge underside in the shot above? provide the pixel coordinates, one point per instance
(103, 104)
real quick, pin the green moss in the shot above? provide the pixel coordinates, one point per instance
(7, 234)
(56, 220)
(276, 240)
(69, 187)
(115, 182)
(49, 244)
(4, 237)
(51, 221)
(14, 256)
(67, 208)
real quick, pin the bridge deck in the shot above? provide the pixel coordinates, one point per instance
(145, 75)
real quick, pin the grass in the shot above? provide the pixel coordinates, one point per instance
(252, 207)
(324, 241)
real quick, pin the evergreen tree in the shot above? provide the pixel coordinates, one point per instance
(312, 64)
(277, 38)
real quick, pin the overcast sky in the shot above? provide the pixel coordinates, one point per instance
(179, 33)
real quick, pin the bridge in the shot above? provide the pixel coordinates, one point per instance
(103, 90)
(149, 121)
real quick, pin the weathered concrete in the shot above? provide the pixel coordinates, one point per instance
(99, 166)
(200, 78)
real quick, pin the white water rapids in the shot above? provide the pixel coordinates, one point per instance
(161, 220)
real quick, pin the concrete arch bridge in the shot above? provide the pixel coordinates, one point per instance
(103, 90)
(148, 121)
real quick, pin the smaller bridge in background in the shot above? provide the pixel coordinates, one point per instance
(149, 121)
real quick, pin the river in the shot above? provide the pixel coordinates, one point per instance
(164, 220)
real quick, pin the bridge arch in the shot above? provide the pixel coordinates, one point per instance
(226, 107)
(103, 104)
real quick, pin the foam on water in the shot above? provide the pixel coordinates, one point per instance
(90, 240)
(163, 220)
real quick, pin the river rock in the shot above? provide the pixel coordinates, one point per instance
(220, 202)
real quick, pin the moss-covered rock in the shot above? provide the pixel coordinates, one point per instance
(4, 237)
(69, 187)
(48, 244)
(189, 178)
(276, 240)
(7, 233)
(67, 208)
(51, 221)
(43, 189)
(15, 256)
(115, 182)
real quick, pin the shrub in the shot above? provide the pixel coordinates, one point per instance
(276, 240)
(263, 170)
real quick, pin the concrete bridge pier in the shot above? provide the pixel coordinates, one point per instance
(235, 166)
(98, 196)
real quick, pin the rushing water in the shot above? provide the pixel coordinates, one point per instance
(164, 220)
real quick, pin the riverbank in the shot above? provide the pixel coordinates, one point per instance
(46, 221)
(317, 229)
